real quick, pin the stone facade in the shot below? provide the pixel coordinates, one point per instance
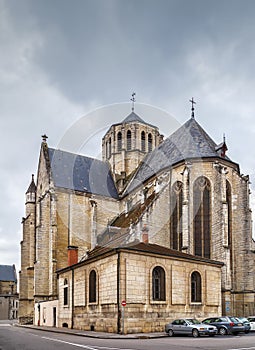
(182, 194)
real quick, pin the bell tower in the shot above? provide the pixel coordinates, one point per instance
(126, 144)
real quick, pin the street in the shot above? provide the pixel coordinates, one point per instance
(18, 338)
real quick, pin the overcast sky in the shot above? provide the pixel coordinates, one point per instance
(61, 60)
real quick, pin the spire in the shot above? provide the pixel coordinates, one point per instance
(192, 108)
(133, 101)
(31, 191)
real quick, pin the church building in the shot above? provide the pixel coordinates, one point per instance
(157, 229)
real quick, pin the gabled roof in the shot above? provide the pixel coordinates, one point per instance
(8, 273)
(80, 173)
(190, 141)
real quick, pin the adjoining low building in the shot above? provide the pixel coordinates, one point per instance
(9, 298)
(137, 288)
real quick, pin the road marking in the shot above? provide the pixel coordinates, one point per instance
(83, 346)
(253, 347)
(74, 344)
(5, 325)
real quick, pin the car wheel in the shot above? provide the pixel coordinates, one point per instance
(195, 333)
(170, 332)
(222, 331)
(246, 332)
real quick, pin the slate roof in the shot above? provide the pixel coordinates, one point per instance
(188, 142)
(8, 273)
(80, 173)
(137, 246)
(133, 117)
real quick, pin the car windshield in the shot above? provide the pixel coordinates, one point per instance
(193, 321)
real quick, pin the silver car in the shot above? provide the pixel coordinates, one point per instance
(190, 326)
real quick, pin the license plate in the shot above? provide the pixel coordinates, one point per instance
(239, 324)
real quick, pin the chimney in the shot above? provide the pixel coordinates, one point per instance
(72, 255)
(145, 235)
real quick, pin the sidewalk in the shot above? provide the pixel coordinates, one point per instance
(93, 334)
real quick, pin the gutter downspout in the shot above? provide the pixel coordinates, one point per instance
(72, 306)
(118, 294)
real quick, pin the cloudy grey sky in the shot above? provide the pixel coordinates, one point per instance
(62, 59)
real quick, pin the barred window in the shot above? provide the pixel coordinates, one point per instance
(92, 286)
(196, 287)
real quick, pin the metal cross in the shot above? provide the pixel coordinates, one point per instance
(44, 138)
(133, 101)
(192, 107)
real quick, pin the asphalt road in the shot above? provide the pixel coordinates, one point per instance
(17, 338)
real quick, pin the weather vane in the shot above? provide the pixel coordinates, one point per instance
(192, 107)
(133, 101)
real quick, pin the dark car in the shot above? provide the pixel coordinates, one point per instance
(226, 324)
(188, 326)
(246, 324)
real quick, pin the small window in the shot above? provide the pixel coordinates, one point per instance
(65, 292)
(158, 284)
(92, 286)
(196, 287)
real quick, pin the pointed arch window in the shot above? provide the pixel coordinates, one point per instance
(176, 216)
(158, 284)
(143, 141)
(196, 287)
(65, 301)
(128, 140)
(92, 286)
(119, 139)
(202, 217)
(150, 142)
(229, 204)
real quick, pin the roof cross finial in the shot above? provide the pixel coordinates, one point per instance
(44, 138)
(133, 101)
(192, 107)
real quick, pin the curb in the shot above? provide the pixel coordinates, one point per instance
(94, 334)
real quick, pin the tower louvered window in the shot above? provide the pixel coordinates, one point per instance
(149, 142)
(119, 145)
(202, 217)
(128, 140)
(176, 216)
(143, 141)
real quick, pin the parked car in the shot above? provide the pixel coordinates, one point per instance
(226, 324)
(251, 319)
(246, 324)
(188, 326)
